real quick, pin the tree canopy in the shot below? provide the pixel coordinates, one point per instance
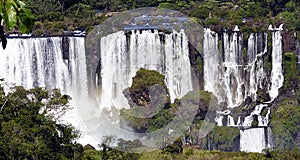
(53, 17)
(29, 129)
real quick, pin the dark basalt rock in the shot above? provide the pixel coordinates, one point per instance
(288, 41)
(141, 97)
(145, 98)
(255, 121)
(262, 96)
(195, 57)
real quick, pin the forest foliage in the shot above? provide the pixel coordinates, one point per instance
(53, 17)
(29, 126)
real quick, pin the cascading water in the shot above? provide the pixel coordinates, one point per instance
(256, 49)
(277, 74)
(239, 76)
(252, 140)
(256, 139)
(233, 76)
(297, 52)
(231, 80)
(40, 62)
(122, 54)
(212, 64)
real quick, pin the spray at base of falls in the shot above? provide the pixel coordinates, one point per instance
(122, 55)
(232, 79)
(41, 62)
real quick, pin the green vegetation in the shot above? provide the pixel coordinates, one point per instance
(223, 138)
(188, 153)
(145, 79)
(188, 112)
(191, 154)
(291, 74)
(30, 130)
(152, 110)
(251, 16)
(122, 151)
(174, 148)
(14, 13)
(148, 124)
(199, 65)
(285, 120)
(285, 112)
(54, 17)
(108, 153)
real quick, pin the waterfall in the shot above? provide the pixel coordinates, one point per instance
(44, 62)
(122, 54)
(240, 74)
(231, 80)
(233, 73)
(297, 51)
(252, 140)
(256, 49)
(262, 120)
(277, 71)
(39, 62)
(212, 64)
(226, 79)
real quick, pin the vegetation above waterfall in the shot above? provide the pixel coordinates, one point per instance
(55, 17)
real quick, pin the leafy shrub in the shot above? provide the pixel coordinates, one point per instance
(290, 71)
(223, 137)
(285, 120)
